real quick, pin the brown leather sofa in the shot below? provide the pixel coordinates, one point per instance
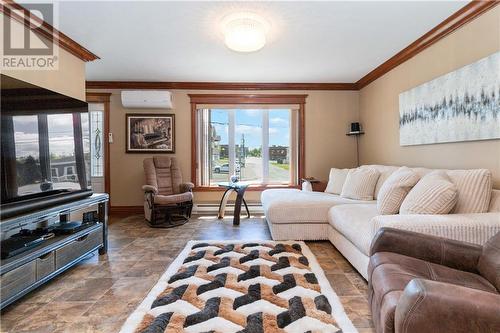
(421, 283)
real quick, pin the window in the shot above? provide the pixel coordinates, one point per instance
(45, 150)
(62, 145)
(29, 172)
(96, 112)
(240, 135)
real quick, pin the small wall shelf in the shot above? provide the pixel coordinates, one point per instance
(355, 133)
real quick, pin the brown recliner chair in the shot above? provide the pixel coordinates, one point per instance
(167, 200)
(421, 283)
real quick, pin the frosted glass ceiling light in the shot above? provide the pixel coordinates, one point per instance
(245, 32)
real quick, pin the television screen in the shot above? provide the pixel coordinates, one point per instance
(45, 142)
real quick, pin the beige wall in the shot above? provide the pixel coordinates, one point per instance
(379, 110)
(327, 114)
(68, 79)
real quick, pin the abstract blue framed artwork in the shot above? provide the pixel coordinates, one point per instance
(463, 105)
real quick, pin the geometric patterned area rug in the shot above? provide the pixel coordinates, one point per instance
(247, 287)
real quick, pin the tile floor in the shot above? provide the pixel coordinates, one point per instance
(98, 294)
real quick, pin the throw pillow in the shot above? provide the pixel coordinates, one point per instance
(433, 194)
(395, 189)
(336, 180)
(474, 190)
(360, 184)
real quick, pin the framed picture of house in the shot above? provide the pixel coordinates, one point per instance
(150, 133)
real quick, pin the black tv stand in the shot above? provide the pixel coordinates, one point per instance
(28, 270)
(35, 204)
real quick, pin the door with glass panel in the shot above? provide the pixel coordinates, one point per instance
(98, 151)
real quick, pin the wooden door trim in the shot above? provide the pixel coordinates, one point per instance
(104, 98)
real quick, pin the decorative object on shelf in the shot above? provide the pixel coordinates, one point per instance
(458, 106)
(150, 133)
(356, 130)
(245, 31)
(234, 179)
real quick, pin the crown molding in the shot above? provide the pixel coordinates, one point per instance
(463, 16)
(43, 29)
(217, 85)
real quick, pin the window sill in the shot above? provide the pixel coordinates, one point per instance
(249, 188)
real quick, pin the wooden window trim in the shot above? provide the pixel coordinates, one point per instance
(249, 188)
(104, 98)
(268, 99)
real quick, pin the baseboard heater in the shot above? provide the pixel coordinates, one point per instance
(255, 208)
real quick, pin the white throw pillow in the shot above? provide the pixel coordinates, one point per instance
(395, 189)
(360, 184)
(474, 190)
(433, 194)
(336, 180)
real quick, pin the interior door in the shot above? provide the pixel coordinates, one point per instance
(97, 147)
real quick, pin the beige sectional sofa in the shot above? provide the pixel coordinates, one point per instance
(351, 224)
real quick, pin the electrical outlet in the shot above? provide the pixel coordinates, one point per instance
(110, 137)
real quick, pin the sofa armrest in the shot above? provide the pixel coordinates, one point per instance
(431, 306)
(150, 189)
(451, 253)
(186, 187)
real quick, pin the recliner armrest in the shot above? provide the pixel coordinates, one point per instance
(150, 188)
(431, 306)
(186, 187)
(447, 252)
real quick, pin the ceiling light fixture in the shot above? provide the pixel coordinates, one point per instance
(245, 31)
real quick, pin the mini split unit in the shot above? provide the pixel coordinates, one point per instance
(147, 99)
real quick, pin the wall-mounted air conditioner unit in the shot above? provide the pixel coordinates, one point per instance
(147, 99)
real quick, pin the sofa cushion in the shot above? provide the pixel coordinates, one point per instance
(433, 194)
(395, 189)
(474, 190)
(360, 184)
(385, 172)
(173, 199)
(336, 180)
(354, 223)
(295, 206)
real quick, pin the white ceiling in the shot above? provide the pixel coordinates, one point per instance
(308, 42)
